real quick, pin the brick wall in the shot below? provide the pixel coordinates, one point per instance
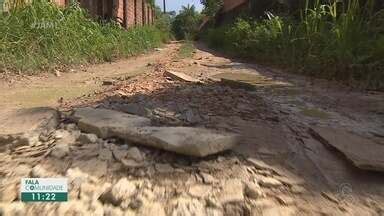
(144, 14)
(139, 12)
(127, 12)
(148, 14)
(118, 11)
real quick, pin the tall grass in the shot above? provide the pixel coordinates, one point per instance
(341, 40)
(41, 35)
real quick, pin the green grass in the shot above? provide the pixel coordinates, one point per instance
(186, 50)
(343, 42)
(41, 35)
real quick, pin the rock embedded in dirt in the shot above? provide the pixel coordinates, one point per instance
(187, 207)
(198, 142)
(37, 120)
(105, 154)
(164, 168)
(199, 191)
(253, 190)
(135, 154)
(118, 152)
(192, 117)
(77, 177)
(180, 76)
(259, 164)
(269, 182)
(208, 179)
(87, 138)
(130, 158)
(66, 137)
(122, 190)
(108, 82)
(285, 200)
(232, 191)
(60, 150)
(364, 153)
(107, 123)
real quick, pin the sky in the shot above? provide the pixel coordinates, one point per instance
(176, 4)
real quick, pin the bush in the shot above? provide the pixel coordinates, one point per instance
(186, 23)
(163, 23)
(41, 35)
(341, 42)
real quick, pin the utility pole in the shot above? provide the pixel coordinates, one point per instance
(165, 10)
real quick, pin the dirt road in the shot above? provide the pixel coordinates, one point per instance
(307, 147)
(47, 89)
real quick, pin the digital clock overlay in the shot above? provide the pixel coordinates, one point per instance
(44, 190)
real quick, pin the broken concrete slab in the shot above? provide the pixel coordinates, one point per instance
(246, 81)
(198, 142)
(28, 120)
(105, 123)
(363, 152)
(180, 76)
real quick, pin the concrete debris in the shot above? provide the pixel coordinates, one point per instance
(199, 142)
(232, 191)
(364, 153)
(180, 76)
(87, 138)
(269, 182)
(107, 123)
(37, 120)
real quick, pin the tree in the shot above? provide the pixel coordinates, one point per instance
(211, 7)
(185, 24)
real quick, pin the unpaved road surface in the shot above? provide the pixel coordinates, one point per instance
(47, 89)
(305, 145)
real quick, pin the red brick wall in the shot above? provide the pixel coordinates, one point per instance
(139, 12)
(145, 14)
(127, 12)
(119, 11)
(148, 16)
(130, 13)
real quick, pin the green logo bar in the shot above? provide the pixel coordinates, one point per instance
(44, 190)
(44, 197)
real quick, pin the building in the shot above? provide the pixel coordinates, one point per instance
(126, 12)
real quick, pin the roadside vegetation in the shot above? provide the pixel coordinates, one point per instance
(185, 25)
(41, 35)
(186, 50)
(338, 40)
